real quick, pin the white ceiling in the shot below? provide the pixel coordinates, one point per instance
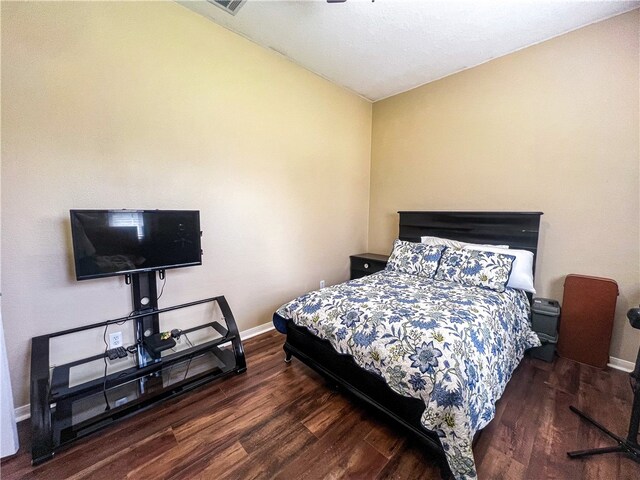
(378, 49)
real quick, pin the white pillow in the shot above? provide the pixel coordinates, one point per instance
(455, 243)
(522, 272)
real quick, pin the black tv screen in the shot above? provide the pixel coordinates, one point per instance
(120, 242)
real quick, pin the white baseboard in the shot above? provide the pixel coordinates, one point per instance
(24, 412)
(620, 364)
(255, 331)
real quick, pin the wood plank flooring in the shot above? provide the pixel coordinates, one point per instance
(282, 421)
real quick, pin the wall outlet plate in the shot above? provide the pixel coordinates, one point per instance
(321, 283)
(115, 340)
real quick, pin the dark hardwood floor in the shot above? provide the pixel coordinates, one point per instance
(282, 421)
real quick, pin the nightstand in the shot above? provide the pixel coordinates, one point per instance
(367, 263)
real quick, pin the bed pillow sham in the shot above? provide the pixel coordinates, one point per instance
(451, 264)
(521, 276)
(476, 268)
(487, 269)
(415, 258)
(427, 240)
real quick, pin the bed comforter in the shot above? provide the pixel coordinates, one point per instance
(453, 346)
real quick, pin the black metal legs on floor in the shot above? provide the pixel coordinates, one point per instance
(627, 445)
(624, 445)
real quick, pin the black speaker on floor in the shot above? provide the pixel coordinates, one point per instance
(627, 445)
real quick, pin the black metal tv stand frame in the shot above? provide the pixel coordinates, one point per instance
(62, 413)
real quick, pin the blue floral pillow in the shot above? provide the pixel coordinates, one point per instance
(476, 268)
(451, 264)
(487, 269)
(415, 258)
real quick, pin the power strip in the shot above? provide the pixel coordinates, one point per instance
(114, 353)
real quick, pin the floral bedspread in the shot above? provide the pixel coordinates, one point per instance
(453, 346)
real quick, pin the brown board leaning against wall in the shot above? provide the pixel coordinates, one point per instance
(586, 322)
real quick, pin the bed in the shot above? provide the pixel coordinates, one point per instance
(431, 353)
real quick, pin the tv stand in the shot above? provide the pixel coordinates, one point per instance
(63, 411)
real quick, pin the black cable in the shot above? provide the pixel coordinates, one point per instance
(106, 349)
(104, 377)
(133, 312)
(187, 371)
(164, 282)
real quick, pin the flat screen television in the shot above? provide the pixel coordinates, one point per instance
(123, 242)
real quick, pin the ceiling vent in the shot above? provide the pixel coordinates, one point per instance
(229, 6)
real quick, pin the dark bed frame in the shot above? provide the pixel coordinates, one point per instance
(516, 229)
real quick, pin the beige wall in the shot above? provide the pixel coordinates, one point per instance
(149, 105)
(551, 128)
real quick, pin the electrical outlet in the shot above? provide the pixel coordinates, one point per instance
(321, 283)
(115, 340)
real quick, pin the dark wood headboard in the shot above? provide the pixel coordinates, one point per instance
(516, 229)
